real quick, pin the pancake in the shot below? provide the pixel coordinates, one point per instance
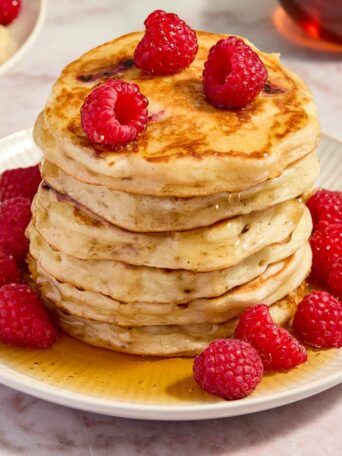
(69, 229)
(165, 340)
(156, 247)
(189, 148)
(277, 281)
(141, 213)
(127, 283)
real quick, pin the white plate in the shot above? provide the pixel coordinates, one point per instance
(19, 150)
(25, 30)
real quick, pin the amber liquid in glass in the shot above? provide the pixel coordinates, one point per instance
(319, 18)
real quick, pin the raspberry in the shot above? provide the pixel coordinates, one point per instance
(233, 74)
(168, 46)
(23, 318)
(276, 347)
(15, 215)
(335, 279)
(114, 113)
(20, 182)
(9, 272)
(228, 368)
(9, 10)
(318, 320)
(325, 206)
(326, 245)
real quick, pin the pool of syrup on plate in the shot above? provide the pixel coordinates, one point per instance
(77, 367)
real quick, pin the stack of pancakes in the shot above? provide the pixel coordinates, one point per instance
(157, 247)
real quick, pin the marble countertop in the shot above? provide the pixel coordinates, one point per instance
(29, 426)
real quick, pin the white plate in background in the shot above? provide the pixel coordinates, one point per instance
(25, 30)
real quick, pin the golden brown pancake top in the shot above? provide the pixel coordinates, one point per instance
(183, 122)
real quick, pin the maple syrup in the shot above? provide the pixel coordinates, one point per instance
(81, 368)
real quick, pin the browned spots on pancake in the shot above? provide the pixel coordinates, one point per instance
(183, 306)
(272, 89)
(292, 123)
(83, 219)
(244, 115)
(189, 122)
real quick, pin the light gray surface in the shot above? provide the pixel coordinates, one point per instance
(308, 428)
